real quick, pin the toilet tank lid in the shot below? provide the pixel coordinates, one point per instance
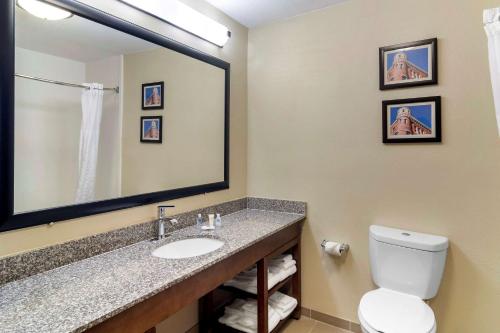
(410, 239)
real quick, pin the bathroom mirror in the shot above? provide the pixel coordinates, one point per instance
(102, 115)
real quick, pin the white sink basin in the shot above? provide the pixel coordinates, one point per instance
(188, 248)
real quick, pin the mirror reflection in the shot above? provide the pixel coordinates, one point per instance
(100, 114)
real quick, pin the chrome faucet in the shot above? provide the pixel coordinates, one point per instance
(162, 216)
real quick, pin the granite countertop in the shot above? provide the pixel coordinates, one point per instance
(80, 295)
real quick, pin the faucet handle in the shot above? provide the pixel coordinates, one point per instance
(162, 211)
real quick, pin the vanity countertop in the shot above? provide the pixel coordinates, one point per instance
(80, 295)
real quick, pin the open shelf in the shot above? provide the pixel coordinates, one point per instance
(212, 305)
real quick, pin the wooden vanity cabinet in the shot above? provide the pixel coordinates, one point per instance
(145, 315)
(211, 306)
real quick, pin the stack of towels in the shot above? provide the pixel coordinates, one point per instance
(279, 269)
(282, 304)
(242, 314)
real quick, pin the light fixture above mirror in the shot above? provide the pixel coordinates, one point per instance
(43, 10)
(184, 17)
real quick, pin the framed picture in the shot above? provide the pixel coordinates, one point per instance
(408, 65)
(412, 120)
(152, 96)
(151, 129)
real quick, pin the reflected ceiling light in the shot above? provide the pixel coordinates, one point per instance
(43, 10)
(184, 17)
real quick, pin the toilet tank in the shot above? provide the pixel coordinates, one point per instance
(407, 261)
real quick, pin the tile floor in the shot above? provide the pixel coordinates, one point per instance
(308, 325)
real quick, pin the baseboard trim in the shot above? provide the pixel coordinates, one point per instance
(331, 320)
(316, 315)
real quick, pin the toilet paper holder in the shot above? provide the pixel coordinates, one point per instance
(334, 248)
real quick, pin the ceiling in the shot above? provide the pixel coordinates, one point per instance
(255, 13)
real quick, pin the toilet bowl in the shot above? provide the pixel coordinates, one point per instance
(407, 267)
(384, 310)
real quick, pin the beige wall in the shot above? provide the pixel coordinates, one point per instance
(315, 135)
(192, 150)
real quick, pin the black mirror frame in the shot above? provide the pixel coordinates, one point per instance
(11, 221)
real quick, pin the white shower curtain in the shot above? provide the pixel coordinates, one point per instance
(89, 141)
(491, 19)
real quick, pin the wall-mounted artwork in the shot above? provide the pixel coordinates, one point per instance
(151, 129)
(408, 65)
(412, 120)
(152, 96)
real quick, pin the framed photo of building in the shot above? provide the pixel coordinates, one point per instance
(412, 120)
(151, 129)
(408, 65)
(152, 96)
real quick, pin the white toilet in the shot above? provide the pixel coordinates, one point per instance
(408, 267)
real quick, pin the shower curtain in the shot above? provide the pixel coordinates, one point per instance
(491, 20)
(89, 141)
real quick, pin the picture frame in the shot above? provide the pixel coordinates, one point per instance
(151, 129)
(411, 120)
(153, 96)
(409, 64)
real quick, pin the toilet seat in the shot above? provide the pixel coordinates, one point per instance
(388, 311)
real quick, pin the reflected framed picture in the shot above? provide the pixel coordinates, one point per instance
(412, 120)
(153, 96)
(151, 129)
(408, 65)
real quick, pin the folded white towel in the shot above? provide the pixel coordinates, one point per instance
(283, 257)
(280, 299)
(241, 286)
(229, 318)
(284, 310)
(242, 315)
(250, 288)
(288, 272)
(283, 262)
(282, 304)
(250, 308)
(287, 264)
(272, 280)
(283, 313)
(249, 284)
(236, 307)
(282, 307)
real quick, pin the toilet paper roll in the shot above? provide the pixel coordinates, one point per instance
(334, 248)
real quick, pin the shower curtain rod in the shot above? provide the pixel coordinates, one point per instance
(115, 89)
